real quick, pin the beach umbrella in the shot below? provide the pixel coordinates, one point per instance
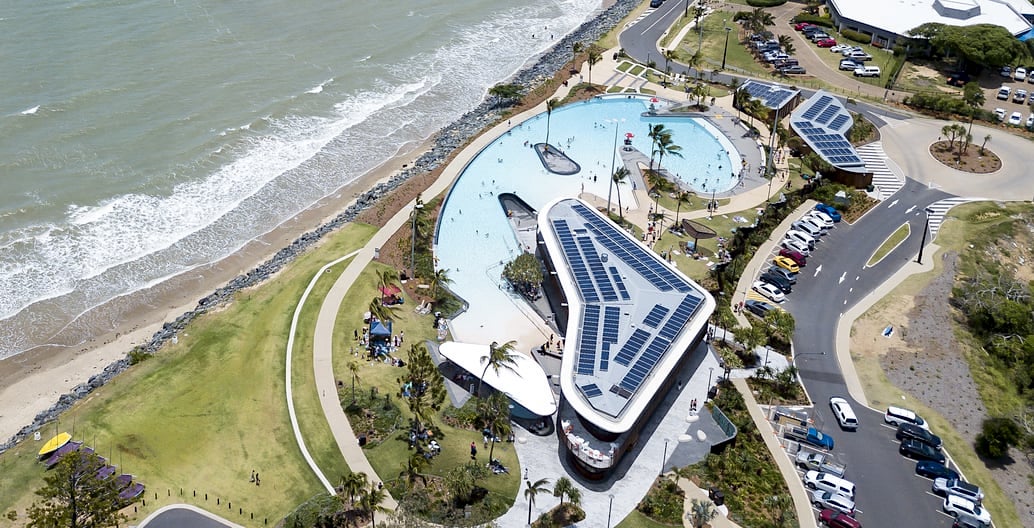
(629, 135)
(654, 100)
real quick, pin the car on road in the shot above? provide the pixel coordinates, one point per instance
(795, 256)
(907, 430)
(758, 308)
(832, 501)
(1016, 119)
(656, 3)
(1019, 96)
(786, 274)
(955, 486)
(867, 71)
(933, 470)
(819, 462)
(778, 281)
(769, 291)
(830, 211)
(850, 65)
(786, 263)
(1020, 74)
(811, 436)
(958, 507)
(838, 519)
(843, 413)
(793, 70)
(796, 245)
(1003, 93)
(912, 448)
(828, 482)
(826, 43)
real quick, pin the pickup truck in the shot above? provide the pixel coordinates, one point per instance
(820, 462)
(810, 436)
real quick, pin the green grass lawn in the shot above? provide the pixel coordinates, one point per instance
(206, 411)
(895, 238)
(638, 520)
(738, 56)
(697, 269)
(388, 456)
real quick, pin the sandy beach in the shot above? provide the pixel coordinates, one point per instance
(34, 380)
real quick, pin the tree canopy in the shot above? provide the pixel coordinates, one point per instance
(75, 496)
(984, 44)
(524, 273)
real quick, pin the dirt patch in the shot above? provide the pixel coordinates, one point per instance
(972, 159)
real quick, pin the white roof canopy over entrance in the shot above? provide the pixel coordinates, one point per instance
(526, 384)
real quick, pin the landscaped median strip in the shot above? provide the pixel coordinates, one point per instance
(288, 385)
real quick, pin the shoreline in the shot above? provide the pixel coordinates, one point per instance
(33, 380)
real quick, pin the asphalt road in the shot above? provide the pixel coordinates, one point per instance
(889, 493)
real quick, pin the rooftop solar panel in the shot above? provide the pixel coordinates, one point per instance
(632, 347)
(591, 390)
(619, 283)
(655, 316)
(596, 266)
(828, 114)
(588, 338)
(839, 121)
(820, 125)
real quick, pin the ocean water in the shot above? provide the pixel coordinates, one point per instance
(142, 139)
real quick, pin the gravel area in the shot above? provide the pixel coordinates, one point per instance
(931, 368)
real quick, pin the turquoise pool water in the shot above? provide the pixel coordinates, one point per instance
(474, 237)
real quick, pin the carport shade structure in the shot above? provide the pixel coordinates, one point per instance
(526, 383)
(697, 231)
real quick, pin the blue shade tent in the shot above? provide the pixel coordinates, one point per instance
(379, 329)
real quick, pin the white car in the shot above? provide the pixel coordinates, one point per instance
(1020, 74)
(958, 487)
(1016, 119)
(802, 237)
(833, 501)
(795, 245)
(847, 51)
(1019, 96)
(822, 218)
(1003, 93)
(1000, 114)
(770, 291)
(808, 220)
(839, 48)
(850, 65)
(956, 506)
(1030, 121)
(844, 413)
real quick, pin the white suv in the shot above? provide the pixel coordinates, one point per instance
(957, 506)
(844, 413)
(896, 416)
(829, 482)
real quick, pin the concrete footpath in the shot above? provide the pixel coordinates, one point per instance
(801, 501)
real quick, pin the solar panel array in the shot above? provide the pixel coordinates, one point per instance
(575, 261)
(772, 96)
(596, 267)
(648, 360)
(619, 283)
(822, 124)
(588, 338)
(611, 319)
(632, 347)
(591, 390)
(655, 316)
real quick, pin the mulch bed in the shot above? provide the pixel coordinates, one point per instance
(971, 159)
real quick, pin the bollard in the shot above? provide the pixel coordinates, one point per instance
(217, 501)
(253, 515)
(206, 497)
(240, 511)
(229, 505)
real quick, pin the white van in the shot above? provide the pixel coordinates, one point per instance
(844, 413)
(827, 482)
(867, 71)
(801, 236)
(896, 416)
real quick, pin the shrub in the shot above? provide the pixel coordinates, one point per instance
(856, 36)
(938, 102)
(663, 502)
(996, 436)
(814, 19)
(765, 3)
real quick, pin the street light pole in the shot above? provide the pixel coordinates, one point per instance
(613, 160)
(922, 243)
(725, 52)
(610, 509)
(709, 374)
(665, 457)
(412, 244)
(771, 153)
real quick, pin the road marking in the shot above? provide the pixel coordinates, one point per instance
(857, 277)
(841, 281)
(910, 209)
(845, 302)
(892, 204)
(850, 290)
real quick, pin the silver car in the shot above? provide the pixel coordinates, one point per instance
(833, 501)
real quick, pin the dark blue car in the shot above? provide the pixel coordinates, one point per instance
(830, 211)
(933, 470)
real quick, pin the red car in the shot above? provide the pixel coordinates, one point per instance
(794, 256)
(835, 519)
(826, 43)
(801, 25)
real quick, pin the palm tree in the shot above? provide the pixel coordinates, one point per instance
(669, 55)
(353, 368)
(562, 488)
(618, 178)
(413, 468)
(494, 413)
(371, 502)
(789, 48)
(700, 92)
(499, 357)
(681, 197)
(439, 282)
(381, 311)
(352, 486)
(386, 279)
(665, 145)
(659, 217)
(984, 144)
(751, 107)
(655, 132)
(531, 490)
(784, 41)
(595, 55)
(701, 513)
(550, 105)
(657, 183)
(740, 98)
(759, 19)
(695, 62)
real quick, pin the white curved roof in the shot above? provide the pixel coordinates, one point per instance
(526, 384)
(632, 316)
(909, 14)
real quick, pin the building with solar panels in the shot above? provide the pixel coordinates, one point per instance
(632, 322)
(823, 124)
(774, 96)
